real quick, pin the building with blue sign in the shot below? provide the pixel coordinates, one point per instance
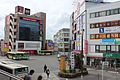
(101, 24)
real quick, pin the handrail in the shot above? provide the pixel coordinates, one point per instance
(10, 75)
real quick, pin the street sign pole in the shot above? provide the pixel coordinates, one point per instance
(102, 69)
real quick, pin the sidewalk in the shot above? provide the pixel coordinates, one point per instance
(52, 76)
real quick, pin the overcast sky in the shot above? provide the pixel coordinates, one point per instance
(58, 12)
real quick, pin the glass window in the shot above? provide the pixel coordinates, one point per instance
(103, 13)
(102, 48)
(92, 15)
(112, 12)
(116, 11)
(97, 14)
(108, 12)
(119, 10)
(108, 47)
(112, 48)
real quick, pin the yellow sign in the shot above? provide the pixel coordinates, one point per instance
(5, 50)
(62, 63)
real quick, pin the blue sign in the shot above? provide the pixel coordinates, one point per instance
(50, 44)
(101, 30)
(108, 40)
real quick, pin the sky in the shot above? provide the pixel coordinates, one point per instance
(57, 11)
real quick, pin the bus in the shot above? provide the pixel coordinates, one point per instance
(45, 52)
(13, 68)
(18, 55)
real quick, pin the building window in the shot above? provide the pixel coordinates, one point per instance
(102, 13)
(97, 14)
(108, 48)
(108, 12)
(116, 11)
(92, 15)
(97, 48)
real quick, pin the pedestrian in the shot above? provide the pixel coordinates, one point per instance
(39, 77)
(48, 73)
(29, 76)
(45, 68)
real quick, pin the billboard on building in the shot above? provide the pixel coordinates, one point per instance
(19, 9)
(29, 29)
(27, 11)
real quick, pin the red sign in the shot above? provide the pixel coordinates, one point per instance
(86, 47)
(19, 9)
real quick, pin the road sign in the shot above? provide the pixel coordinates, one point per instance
(101, 30)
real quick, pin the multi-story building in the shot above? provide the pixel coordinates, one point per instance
(62, 41)
(25, 32)
(95, 31)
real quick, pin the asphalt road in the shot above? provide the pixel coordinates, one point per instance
(37, 63)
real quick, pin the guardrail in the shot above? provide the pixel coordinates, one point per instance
(11, 76)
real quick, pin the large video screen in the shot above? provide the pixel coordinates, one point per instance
(29, 29)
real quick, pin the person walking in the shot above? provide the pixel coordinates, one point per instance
(48, 73)
(45, 68)
(29, 76)
(39, 77)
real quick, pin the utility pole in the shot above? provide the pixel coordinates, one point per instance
(82, 53)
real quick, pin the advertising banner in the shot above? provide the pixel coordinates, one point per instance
(27, 11)
(19, 9)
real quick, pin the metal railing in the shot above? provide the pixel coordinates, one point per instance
(9, 76)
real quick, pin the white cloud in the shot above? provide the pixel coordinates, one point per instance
(58, 12)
